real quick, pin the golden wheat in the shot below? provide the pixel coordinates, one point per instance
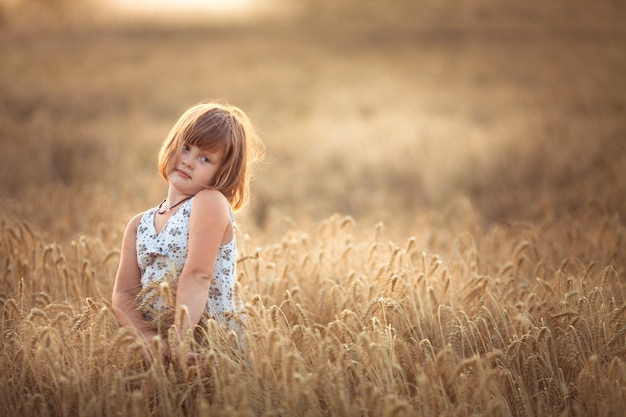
(389, 348)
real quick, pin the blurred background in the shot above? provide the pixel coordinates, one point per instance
(385, 111)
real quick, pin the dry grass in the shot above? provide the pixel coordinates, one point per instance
(493, 285)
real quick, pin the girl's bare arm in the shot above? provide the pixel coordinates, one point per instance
(128, 284)
(209, 225)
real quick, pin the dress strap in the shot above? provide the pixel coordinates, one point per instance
(232, 215)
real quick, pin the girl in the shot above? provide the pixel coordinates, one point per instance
(189, 239)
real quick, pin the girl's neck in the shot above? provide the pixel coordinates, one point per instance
(172, 201)
(174, 195)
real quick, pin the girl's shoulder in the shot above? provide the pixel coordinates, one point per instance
(133, 225)
(211, 200)
(210, 210)
(135, 220)
(213, 204)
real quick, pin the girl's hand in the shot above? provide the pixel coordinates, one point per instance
(156, 349)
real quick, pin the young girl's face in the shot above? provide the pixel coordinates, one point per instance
(195, 169)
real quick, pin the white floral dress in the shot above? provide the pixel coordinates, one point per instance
(160, 253)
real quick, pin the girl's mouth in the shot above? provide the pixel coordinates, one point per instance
(183, 173)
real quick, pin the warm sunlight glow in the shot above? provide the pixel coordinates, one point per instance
(207, 8)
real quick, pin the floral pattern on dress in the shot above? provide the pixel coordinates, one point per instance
(164, 252)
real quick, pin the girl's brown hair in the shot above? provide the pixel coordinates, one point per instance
(215, 126)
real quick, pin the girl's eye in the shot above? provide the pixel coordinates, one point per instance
(205, 159)
(186, 148)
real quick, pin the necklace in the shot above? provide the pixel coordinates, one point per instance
(167, 210)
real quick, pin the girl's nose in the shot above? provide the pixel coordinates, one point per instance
(187, 160)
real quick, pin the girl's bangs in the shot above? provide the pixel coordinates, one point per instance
(210, 133)
(211, 143)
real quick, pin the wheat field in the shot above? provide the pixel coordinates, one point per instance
(438, 229)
